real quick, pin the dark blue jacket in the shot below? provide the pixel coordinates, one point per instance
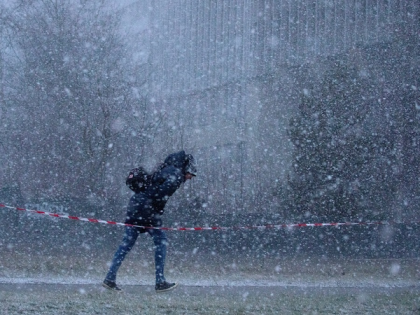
(146, 207)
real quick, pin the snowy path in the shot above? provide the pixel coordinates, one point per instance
(300, 287)
(55, 298)
(194, 290)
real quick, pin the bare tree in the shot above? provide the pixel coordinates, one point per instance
(74, 95)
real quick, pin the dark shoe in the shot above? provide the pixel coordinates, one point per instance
(111, 285)
(165, 286)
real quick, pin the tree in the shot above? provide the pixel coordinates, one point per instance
(338, 162)
(74, 95)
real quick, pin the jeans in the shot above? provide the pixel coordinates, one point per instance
(130, 237)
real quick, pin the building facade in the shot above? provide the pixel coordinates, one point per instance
(229, 73)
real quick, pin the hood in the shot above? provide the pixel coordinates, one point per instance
(178, 160)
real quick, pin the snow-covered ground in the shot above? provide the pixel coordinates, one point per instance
(241, 280)
(287, 287)
(92, 299)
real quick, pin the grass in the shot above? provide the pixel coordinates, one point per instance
(207, 302)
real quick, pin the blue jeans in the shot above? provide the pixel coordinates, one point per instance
(130, 237)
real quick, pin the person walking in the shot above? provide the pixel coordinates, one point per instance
(145, 208)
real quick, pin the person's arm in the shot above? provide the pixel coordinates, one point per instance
(165, 186)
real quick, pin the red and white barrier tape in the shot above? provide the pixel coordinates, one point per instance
(267, 226)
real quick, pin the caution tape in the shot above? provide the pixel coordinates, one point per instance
(267, 226)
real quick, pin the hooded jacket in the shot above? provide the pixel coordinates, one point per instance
(145, 208)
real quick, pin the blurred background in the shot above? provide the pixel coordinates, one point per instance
(295, 110)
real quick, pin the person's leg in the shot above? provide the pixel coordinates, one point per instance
(127, 244)
(160, 240)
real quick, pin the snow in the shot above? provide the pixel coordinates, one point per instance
(246, 296)
(293, 117)
(230, 282)
(230, 286)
